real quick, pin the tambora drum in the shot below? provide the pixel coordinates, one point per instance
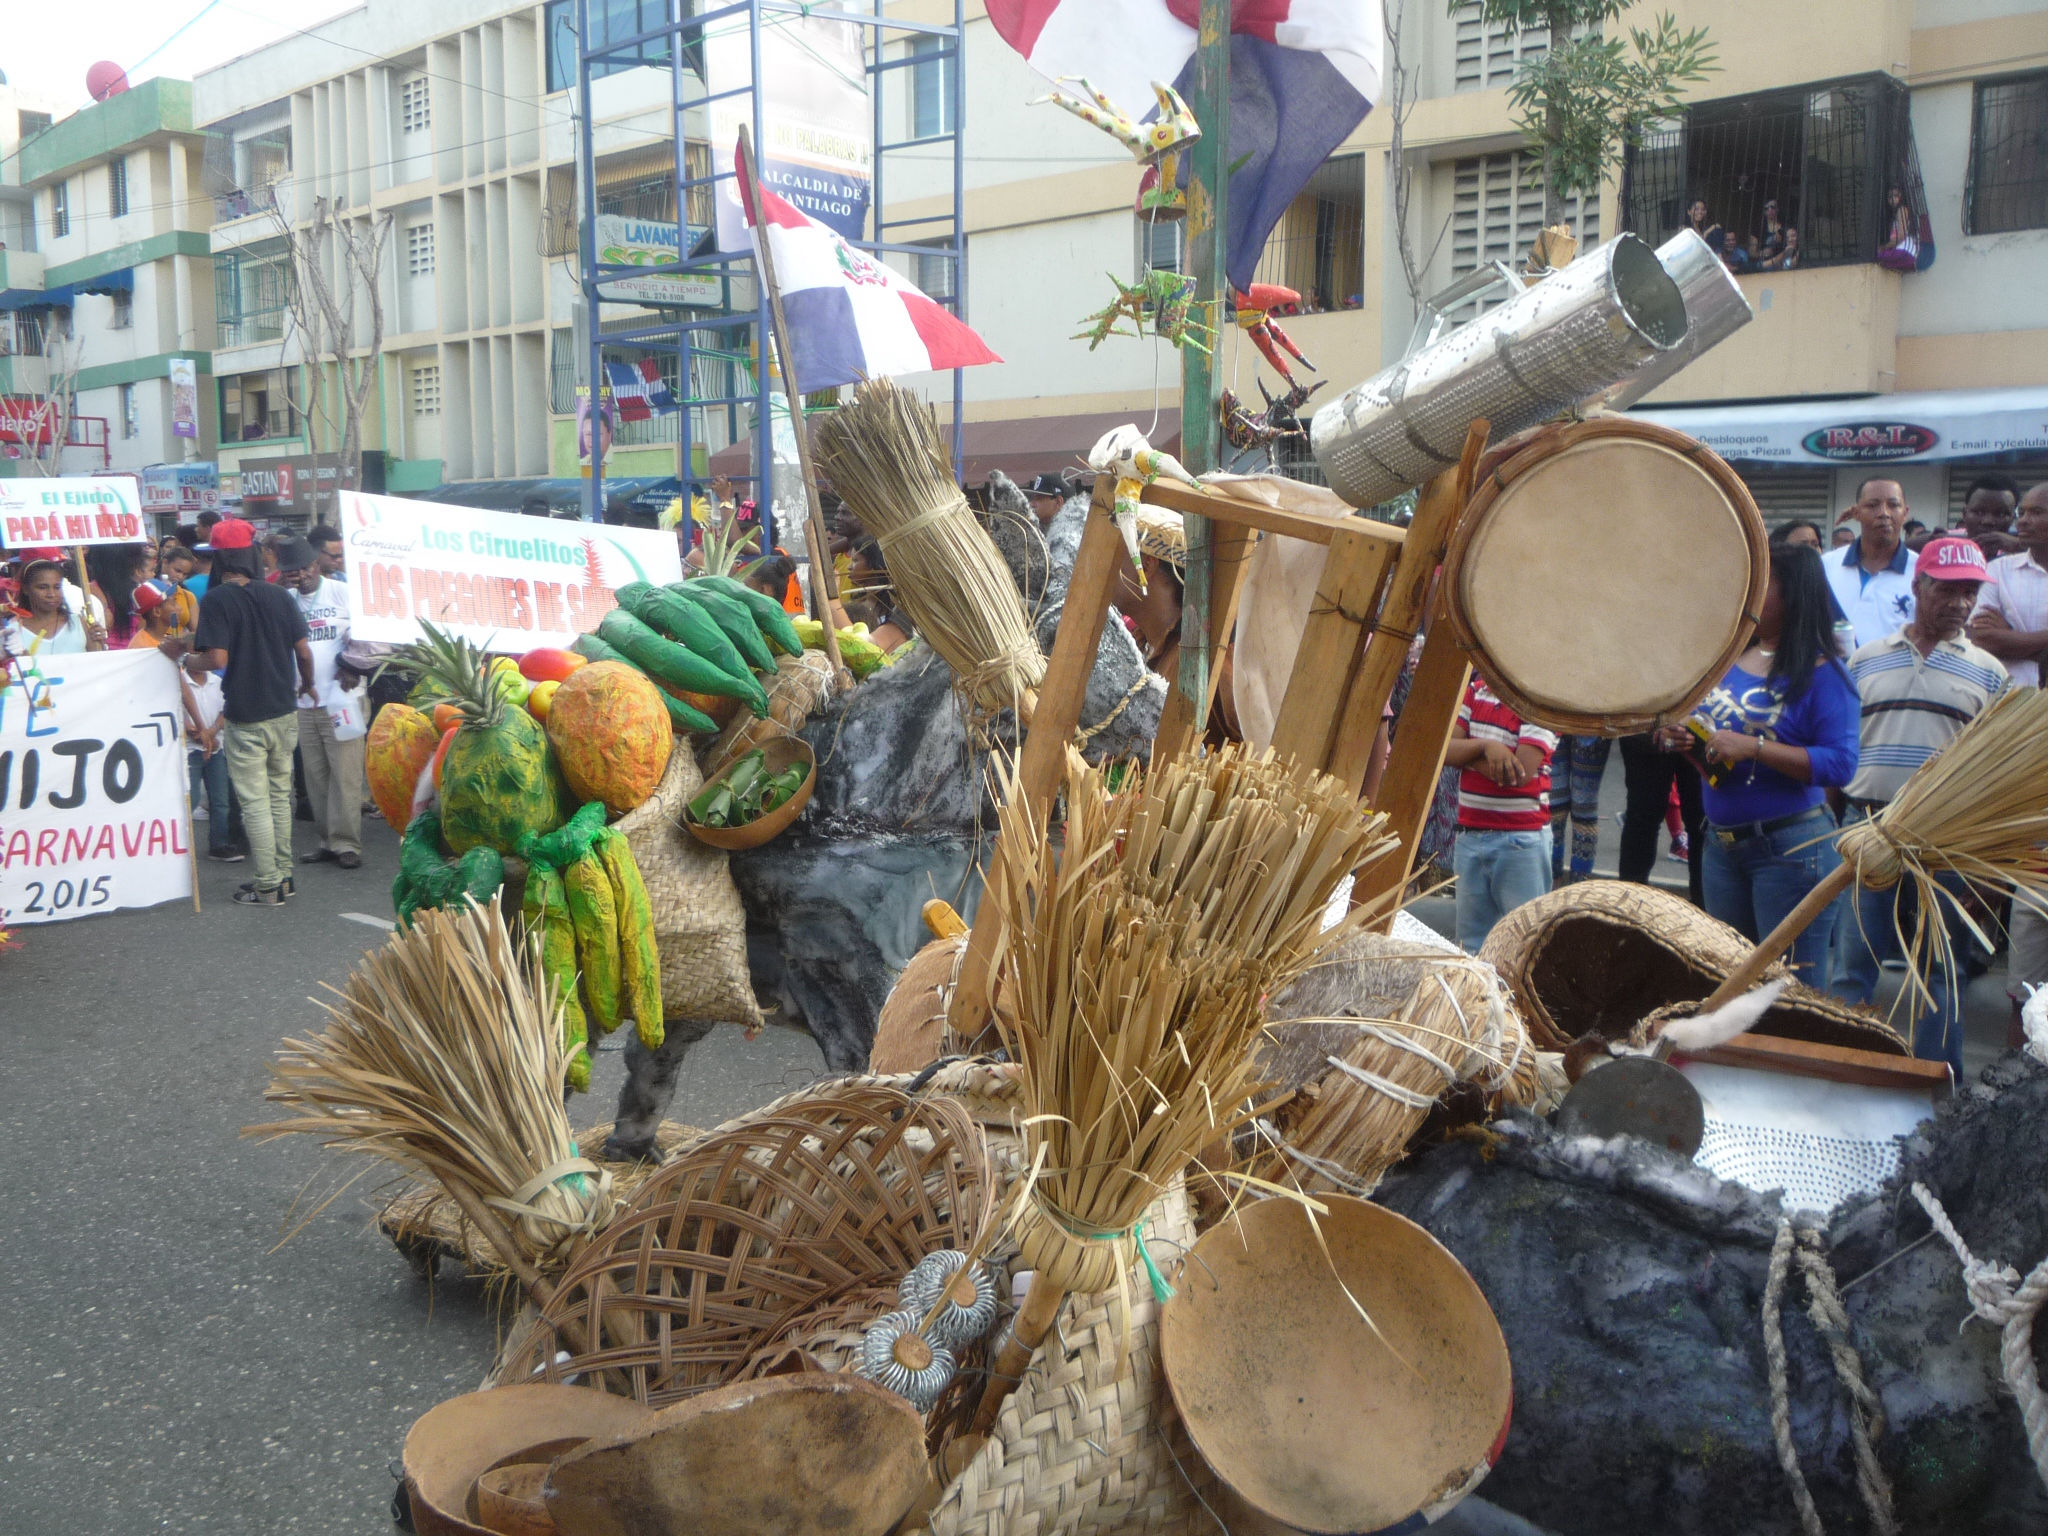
(1606, 575)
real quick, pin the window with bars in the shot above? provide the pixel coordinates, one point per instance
(415, 109)
(424, 384)
(1318, 247)
(934, 273)
(419, 250)
(117, 186)
(1497, 212)
(931, 86)
(2008, 157)
(1160, 247)
(608, 19)
(1824, 154)
(251, 293)
(1486, 53)
(60, 209)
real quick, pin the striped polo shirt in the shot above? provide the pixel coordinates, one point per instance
(1484, 805)
(1915, 705)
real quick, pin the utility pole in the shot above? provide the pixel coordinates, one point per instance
(1207, 250)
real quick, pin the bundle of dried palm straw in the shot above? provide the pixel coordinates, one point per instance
(886, 457)
(444, 1055)
(1136, 958)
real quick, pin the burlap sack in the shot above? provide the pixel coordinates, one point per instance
(699, 925)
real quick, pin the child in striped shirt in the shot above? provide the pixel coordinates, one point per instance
(1502, 856)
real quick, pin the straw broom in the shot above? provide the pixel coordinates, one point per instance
(1137, 959)
(885, 455)
(444, 1055)
(1979, 809)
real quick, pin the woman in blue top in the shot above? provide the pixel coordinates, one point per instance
(1782, 728)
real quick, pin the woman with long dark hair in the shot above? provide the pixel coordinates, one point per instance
(115, 569)
(1780, 729)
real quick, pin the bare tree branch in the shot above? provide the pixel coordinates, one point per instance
(55, 406)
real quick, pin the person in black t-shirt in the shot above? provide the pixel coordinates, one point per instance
(255, 631)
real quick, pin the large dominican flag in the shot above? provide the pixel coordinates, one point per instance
(1303, 74)
(850, 317)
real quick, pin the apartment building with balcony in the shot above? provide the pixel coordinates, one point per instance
(110, 286)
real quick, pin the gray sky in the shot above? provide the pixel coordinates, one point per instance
(47, 45)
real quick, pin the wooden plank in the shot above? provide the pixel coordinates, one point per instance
(1835, 1063)
(1344, 605)
(1043, 756)
(1409, 786)
(1250, 514)
(1180, 723)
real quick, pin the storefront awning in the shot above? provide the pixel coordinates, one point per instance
(120, 280)
(37, 298)
(1020, 446)
(1928, 428)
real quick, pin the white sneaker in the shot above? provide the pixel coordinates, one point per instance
(200, 814)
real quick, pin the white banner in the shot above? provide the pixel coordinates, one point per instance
(817, 124)
(1929, 427)
(73, 510)
(93, 787)
(504, 580)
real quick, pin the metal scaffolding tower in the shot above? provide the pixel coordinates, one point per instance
(726, 347)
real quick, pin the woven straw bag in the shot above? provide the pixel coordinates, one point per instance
(699, 925)
(1374, 1038)
(1600, 956)
(825, 1198)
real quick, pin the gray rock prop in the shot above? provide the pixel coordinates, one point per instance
(1629, 1285)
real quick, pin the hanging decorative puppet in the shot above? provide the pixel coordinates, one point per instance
(1123, 451)
(1155, 145)
(1255, 306)
(1167, 297)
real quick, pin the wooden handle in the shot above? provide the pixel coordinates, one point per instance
(1034, 1321)
(1780, 938)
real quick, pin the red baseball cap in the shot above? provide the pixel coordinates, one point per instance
(232, 533)
(148, 595)
(1952, 559)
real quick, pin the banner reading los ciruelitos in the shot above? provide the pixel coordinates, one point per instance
(503, 580)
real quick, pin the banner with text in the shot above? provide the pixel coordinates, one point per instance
(504, 580)
(74, 510)
(93, 787)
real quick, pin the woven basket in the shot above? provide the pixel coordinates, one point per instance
(1374, 1038)
(1599, 956)
(911, 1032)
(826, 1197)
(699, 925)
(1089, 1443)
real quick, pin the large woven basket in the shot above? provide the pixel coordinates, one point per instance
(1600, 956)
(1374, 1039)
(826, 1198)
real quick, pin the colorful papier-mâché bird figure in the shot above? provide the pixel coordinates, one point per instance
(1254, 313)
(1123, 451)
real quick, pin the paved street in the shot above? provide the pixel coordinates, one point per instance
(167, 1365)
(172, 1362)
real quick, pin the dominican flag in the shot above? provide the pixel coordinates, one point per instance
(637, 390)
(850, 317)
(1303, 74)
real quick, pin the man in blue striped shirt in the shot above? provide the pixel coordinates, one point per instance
(1919, 687)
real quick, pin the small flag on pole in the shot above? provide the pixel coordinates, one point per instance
(638, 391)
(850, 317)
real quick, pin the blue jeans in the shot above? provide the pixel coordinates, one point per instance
(1497, 872)
(1752, 885)
(1869, 937)
(210, 778)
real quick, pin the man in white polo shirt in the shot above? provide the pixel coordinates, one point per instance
(2011, 622)
(1872, 576)
(1919, 687)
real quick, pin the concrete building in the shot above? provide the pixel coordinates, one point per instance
(1811, 104)
(112, 286)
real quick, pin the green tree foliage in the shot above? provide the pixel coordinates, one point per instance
(1591, 94)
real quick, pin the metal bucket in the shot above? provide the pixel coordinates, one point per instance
(1553, 345)
(1714, 310)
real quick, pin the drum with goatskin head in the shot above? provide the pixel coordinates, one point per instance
(1606, 574)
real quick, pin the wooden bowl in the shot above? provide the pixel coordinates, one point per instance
(781, 751)
(508, 1498)
(1316, 1419)
(454, 1443)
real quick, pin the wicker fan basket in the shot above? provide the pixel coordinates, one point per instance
(911, 1032)
(825, 1198)
(1599, 956)
(1374, 1039)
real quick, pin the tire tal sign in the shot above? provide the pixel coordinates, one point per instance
(1869, 442)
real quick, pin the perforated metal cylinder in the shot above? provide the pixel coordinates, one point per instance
(1553, 345)
(1715, 309)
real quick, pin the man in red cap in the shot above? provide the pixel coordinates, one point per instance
(253, 631)
(1920, 686)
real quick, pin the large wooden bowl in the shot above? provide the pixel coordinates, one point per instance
(454, 1443)
(781, 751)
(1317, 1419)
